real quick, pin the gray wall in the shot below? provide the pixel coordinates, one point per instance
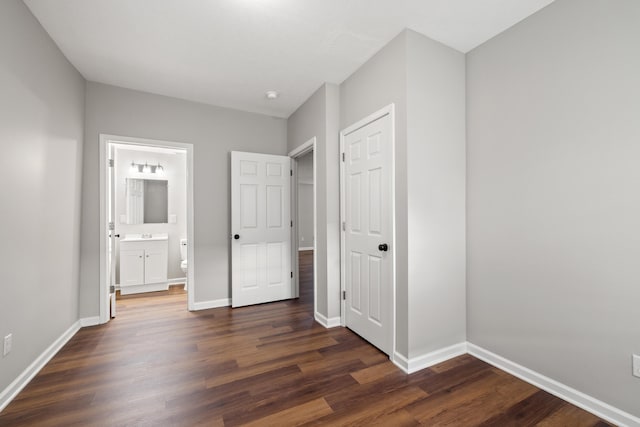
(305, 201)
(436, 170)
(318, 117)
(41, 134)
(553, 202)
(380, 82)
(214, 132)
(332, 124)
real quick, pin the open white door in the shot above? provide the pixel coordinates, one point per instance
(368, 234)
(260, 228)
(111, 267)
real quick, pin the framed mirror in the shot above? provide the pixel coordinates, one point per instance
(147, 201)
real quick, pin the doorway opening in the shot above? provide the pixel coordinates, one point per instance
(303, 212)
(146, 236)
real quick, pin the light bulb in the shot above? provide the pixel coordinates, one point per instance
(134, 167)
(146, 168)
(159, 170)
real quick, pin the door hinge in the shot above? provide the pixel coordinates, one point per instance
(344, 294)
(290, 172)
(292, 223)
(344, 226)
(112, 226)
(292, 274)
(112, 289)
(110, 163)
(343, 157)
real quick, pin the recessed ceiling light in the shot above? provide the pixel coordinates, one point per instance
(272, 94)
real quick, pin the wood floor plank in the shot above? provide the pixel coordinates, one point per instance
(157, 364)
(529, 411)
(451, 363)
(380, 406)
(569, 416)
(428, 409)
(295, 416)
(274, 351)
(251, 371)
(453, 377)
(363, 393)
(375, 372)
(490, 403)
(400, 418)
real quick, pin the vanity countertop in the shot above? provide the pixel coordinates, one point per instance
(144, 237)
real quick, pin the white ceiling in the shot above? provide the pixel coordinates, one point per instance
(230, 52)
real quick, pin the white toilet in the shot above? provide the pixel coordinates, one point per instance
(183, 259)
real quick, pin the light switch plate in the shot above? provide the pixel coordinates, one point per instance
(173, 218)
(636, 365)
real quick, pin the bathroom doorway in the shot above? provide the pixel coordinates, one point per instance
(303, 214)
(146, 221)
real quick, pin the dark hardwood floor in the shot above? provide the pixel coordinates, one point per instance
(157, 364)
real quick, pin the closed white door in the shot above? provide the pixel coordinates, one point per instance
(131, 267)
(260, 228)
(369, 232)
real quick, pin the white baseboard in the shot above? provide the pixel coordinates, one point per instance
(12, 390)
(564, 392)
(306, 248)
(204, 305)
(327, 322)
(178, 280)
(415, 364)
(89, 321)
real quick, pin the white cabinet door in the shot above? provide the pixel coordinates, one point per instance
(155, 265)
(131, 267)
(369, 233)
(260, 228)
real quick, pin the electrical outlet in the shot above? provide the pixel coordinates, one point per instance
(636, 365)
(7, 344)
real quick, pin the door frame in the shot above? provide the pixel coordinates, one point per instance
(308, 147)
(390, 111)
(105, 139)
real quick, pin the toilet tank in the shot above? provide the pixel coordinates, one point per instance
(183, 249)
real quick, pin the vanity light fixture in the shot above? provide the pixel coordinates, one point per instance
(147, 168)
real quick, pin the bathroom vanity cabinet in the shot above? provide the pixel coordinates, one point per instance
(143, 264)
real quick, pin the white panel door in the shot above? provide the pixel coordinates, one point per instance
(369, 233)
(261, 228)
